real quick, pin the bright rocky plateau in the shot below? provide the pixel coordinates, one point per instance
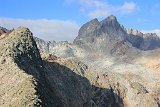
(107, 65)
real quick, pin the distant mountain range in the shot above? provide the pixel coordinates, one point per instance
(106, 36)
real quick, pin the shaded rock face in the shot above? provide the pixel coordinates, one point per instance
(69, 88)
(78, 93)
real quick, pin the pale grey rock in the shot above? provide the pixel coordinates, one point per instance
(61, 49)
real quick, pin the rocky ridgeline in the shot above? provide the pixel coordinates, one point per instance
(62, 48)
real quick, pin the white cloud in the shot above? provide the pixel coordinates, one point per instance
(98, 8)
(157, 31)
(46, 29)
(128, 7)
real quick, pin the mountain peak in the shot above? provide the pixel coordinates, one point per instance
(88, 27)
(111, 22)
(95, 20)
(112, 17)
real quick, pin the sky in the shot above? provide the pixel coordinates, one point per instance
(61, 19)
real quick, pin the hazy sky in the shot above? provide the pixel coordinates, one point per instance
(61, 19)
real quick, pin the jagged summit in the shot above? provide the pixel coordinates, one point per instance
(112, 17)
(89, 27)
(133, 31)
(111, 21)
(95, 20)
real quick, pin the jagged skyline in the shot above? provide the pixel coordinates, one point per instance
(48, 19)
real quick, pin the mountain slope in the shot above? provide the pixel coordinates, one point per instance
(27, 81)
(21, 68)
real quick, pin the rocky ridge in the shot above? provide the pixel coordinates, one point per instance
(27, 81)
